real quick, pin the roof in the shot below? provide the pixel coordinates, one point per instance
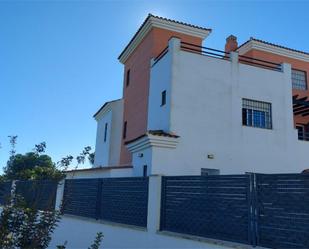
(105, 104)
(154, 17)
(272, 44)
(160, 133)
(100, 168)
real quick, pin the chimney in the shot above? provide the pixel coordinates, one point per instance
(231, 43)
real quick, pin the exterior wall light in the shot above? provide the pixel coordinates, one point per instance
(211, 156)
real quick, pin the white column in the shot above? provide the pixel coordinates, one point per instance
(59, 196)
(154, 203)
(234, 57)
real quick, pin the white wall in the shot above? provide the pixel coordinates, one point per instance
(102, 149)
(160, 81)
(108, 153)
(100, 173)
(116, 132)
(206, 112)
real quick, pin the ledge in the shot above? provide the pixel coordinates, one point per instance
(104, 222)
(216, 242)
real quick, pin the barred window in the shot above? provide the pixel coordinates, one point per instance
(299, 79)
(256, 114)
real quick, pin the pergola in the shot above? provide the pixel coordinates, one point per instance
(300, 106)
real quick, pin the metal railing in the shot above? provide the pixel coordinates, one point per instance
(160, 55)
(189, 47)
(259, 63)
(204, 50)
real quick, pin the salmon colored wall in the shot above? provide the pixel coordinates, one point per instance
(136, 94)
(296, 64)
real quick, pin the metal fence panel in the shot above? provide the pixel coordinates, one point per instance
(5, 192)
(283, 210)
(209, 206)
(122, 200)
(38, 194)
(80, 197)
(125, 200)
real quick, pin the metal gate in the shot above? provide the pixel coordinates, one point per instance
(262, 210)
(282, 210)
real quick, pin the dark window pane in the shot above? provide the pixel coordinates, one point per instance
(163, 98)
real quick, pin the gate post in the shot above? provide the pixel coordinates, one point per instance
(253, 212)
(154, 203)
(59, 195)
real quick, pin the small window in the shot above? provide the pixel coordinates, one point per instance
(301, 132)
(128, 78)
(256, 114)
(163, 98)
(299, 79)
(145, 170)
(124, 135)
(105, 132)
(206, 172)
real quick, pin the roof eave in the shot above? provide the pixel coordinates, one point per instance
(159, 22)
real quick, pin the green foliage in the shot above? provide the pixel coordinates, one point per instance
(31, 166)
(97, 242)
(25, 228)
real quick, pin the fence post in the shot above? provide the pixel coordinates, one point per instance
(59, 195)
(154, 203)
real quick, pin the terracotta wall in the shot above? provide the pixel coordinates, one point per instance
(296, 64)
(136, 94)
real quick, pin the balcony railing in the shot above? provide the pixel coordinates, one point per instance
(204, 50)
(225, 55)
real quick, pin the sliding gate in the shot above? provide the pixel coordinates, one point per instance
(262, 210)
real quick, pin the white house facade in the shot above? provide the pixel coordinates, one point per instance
(204, 111)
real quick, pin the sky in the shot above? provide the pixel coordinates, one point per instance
(58, 59)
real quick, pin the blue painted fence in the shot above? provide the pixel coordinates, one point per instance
(122, 200)
(38, 194)
(262, 210)
(5, 192)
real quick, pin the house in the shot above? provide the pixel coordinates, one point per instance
(190, 110)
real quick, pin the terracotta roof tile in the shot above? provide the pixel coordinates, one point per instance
(273, 44)
(162, 18)
(160, 133)
(105, 104)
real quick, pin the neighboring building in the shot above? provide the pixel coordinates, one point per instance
(187, 109)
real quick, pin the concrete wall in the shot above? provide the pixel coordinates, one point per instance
(108, 152)
(102, 147)
(100, 173)
(206, 112)
(161, 78)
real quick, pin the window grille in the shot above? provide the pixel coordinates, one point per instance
(299, 79)
(256, 114)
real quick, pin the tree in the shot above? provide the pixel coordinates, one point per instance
(31, 165)
(22, 226)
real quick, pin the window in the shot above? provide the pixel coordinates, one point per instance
(105, 132)
(124, 134)
(163, 98)
(145, 171)
(256, 114)
(299, 79)
(301, 132)
(128, 78)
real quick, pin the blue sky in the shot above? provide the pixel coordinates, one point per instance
(58, 59)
